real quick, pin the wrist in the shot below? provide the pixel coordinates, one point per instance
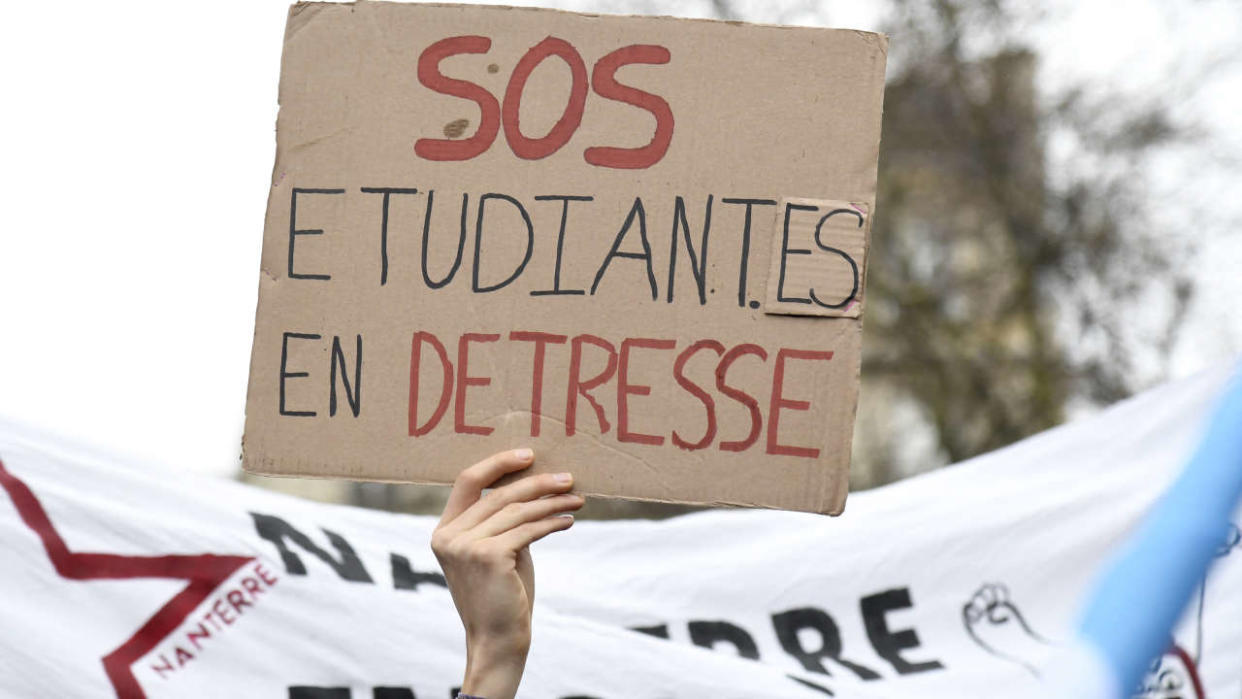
(495, 646)
(494, 670)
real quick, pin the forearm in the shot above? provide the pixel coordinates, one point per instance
(493, 673)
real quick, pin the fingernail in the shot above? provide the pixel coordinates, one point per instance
(563, 478)
(524, 454)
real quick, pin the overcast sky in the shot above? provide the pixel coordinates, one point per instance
(138, 146)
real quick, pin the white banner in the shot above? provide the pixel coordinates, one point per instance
(129, 582)
(958, 583)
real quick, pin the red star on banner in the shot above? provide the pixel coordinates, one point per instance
(203, 574)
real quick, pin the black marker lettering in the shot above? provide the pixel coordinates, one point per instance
(276, 531)
(478, 243)
(353, 393)
(708, 633)
(461, 241)
(853, 265)
(786, 251)
(888, 644)
(305, 692)
(556, 289)
(286, 374)
(659, 630)
(294, 232)
(406, 578)
(787, 625)
(698, 262)
(741, 282)
(636, 211)
(387, 192)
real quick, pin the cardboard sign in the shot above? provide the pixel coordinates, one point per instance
(635, 244)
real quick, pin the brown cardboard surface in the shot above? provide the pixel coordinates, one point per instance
(456, 261)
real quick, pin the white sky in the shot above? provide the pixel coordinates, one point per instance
(137, 148)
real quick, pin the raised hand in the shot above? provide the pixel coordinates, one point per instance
(482, 544)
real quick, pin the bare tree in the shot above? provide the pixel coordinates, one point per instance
(1000, 289)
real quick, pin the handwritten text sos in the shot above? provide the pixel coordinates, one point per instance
(496, 114)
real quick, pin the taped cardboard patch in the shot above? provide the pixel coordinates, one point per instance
(819, 258)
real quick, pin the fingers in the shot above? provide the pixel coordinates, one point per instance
(524, 490)
(517, 514)
(470, 483)
(524, 535)
(507, 519)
